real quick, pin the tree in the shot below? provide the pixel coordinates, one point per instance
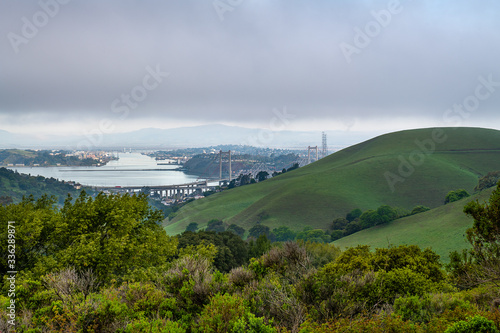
(113, 235)
(193, 226)
(369, 219)
(283, 234)
(339, 223)
(386, 214)
(353, 214)
(232, 251)
(336, 234)
(352, 227)
(259, 229)
(481, 263)
(456, 195)
(236, 229)
(5, 200)
(313, 235)
(245, 179)
(490, 180)
(262, 175)
(259, 247)
(419, 209)
(215, 225)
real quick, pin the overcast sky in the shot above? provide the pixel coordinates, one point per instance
(347, 65)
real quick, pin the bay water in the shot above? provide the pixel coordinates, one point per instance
(131, 169)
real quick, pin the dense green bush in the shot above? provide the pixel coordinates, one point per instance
(155, 326)
(476, 324)
(423, 309)
(453, 196)
(222, 313)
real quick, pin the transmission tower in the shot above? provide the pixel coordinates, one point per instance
(325, 146)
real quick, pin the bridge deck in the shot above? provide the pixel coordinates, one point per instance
(153, 187)
(156, 187)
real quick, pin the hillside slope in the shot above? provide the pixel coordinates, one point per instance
(442, 229)
(16, 185)
(356, 177)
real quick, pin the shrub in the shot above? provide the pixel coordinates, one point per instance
(191, 281)
(476, 324)
(380, 323)
(146, 300)
(422, 309)
(321, 254)
(330, 294)
(240, 277)
(353, 214)
(490, 180)
(252, 324)
(419, 209)
(403, 282)
(289, 259)
(222, 313)
(193, 226)
(155, 326)
(456, 195)
(215, 225)
(273, 297)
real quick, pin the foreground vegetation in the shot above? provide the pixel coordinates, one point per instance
(106, 265)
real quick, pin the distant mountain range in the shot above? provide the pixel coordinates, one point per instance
(196, 136)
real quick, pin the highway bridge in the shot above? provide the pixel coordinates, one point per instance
(164, 190)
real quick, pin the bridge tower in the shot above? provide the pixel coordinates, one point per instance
(324, 151)
(220, 163)
(309, 148)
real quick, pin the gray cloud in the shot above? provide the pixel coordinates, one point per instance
(263, 55)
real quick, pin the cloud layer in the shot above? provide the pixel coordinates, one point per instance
(328, 62)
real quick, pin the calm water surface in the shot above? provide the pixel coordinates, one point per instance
(131, 169)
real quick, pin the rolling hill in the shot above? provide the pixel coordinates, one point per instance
(401, 169)
(442, 229)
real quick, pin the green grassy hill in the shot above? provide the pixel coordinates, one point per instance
(355, 178)
(442, 229)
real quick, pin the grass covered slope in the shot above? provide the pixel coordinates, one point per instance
(356, 177)
(442, 229)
